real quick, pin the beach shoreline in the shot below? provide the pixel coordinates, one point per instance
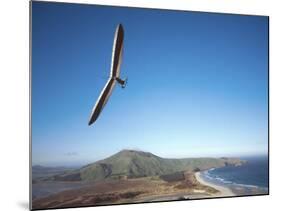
(223, 190)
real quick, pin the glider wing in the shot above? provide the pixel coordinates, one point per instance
(117, 52)
(114, 74)
(102, 100)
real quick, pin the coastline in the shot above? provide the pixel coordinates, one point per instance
(223, 190)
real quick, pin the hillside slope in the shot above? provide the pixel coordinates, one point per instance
(131, 164)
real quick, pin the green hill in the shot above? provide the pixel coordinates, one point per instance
(131, 164)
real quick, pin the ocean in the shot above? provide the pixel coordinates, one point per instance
(252, 174)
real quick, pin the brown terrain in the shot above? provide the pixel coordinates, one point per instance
(126, 177)
(128, 191)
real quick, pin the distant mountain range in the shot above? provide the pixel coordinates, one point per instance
(132, 164)
(43, 171)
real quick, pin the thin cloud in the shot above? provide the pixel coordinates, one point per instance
(71, 154)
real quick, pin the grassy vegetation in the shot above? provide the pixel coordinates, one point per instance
(133, 164)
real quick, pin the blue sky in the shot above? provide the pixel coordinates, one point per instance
(197, 83)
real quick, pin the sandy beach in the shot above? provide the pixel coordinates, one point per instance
(223, 191)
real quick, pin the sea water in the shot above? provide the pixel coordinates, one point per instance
(253, 173)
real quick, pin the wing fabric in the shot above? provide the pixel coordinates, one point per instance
(114, 73)
(117, 52)
(102, 100)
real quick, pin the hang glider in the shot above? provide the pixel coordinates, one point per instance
(114, 75)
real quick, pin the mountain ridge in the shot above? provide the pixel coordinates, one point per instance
(133, 164)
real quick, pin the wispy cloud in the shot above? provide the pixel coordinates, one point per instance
(71, 154)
